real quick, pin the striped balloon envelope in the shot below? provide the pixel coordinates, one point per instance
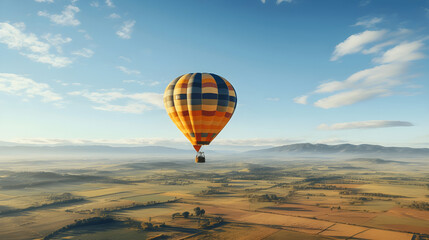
(200, 104)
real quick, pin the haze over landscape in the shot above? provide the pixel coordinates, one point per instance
(329, 138)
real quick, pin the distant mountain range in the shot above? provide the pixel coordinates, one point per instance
(308, 148)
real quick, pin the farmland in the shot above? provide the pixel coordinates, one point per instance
(282, 199)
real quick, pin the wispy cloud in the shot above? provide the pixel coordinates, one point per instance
(128, 71)
(378, 81)
(56, 40)
(150, 83)
(381, 76)
(14, 38)
(125, 58)
(18, 85)
(94, 4)
(126, 29)
(377, 48)
(368, 22)
(356, 42)
(48, 1)
(362, 85)
(68, 84)
(109, 3)
(301, 99)
(51, 59)
(365, 125)
(84, 52)
(404, 52)
(66, 18)
(349, 97)
(114, 16)
(85, 34)
(278, 1)
(273, 99)
(29, 45)
(114, 100)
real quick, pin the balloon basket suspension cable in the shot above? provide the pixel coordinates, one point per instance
(200, 157)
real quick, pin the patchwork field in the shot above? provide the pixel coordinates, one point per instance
(180, 200)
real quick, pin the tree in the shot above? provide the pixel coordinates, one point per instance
(202, 212)
(197, 211)
(185, 214)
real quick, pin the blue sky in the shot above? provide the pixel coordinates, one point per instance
(93, 72)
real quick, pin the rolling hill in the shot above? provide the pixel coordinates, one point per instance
(342, 149)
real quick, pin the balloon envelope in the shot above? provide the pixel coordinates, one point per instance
(200, 104)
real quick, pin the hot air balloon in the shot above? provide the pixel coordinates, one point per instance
(200, 104)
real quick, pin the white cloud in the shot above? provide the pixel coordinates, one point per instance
(56, 40)
(14, 38)
(301, 99)
(365, 124)
(128, 71)
(109, 3)
(373, 82)
(134, 102)
(369, 22)
(125, 58)
(404, 52)
(356, 42)
(51, 59)
(377, 48)
(66, 18)
(85, 34)
(126, 30)
(48, 1)
(150, 83)
(94, 4)
(133, 81)
(84, 52)
(127, 108)
(382, 76)
(280, 1)
(349, 97)
(363, 85)
(68, 84)
(30, 46)
(114, 16)
(22, 86)
(402, 32)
